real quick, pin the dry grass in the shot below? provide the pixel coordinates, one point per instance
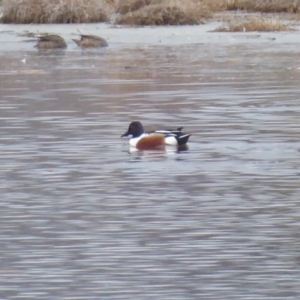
(167, 12)
(55, 11)
(215, 5)
(127, 6)
(254, 24)
(134, 12)
(265, 6)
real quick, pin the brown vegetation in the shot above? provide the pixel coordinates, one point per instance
(55, 11)
(134, 12)
(216, 5)
(254, 24)
(127, 6)
(168, 12)
(264, 6)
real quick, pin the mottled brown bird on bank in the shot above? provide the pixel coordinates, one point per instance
(51, 41)
(90, 41)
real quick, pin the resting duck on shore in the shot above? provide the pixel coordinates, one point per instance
(156, 139)
(90, 41)
(51, 41)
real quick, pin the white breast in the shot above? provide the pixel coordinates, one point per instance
(171, 140)
(133, 142)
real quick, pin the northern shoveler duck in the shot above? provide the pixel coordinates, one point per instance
(156, 139)
(89, 41)
(51, 41)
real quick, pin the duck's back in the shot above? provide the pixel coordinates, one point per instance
(51, 41)
(91, 41)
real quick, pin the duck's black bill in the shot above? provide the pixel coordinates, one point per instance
(125, 134)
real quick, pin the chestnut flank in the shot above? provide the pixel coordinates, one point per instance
(151, 142)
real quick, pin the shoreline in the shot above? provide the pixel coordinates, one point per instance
(120, 36)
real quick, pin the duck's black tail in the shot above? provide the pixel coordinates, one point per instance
(182, 139)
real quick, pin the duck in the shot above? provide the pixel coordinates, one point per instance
(89, 41)
(51, 41)
(155, 139)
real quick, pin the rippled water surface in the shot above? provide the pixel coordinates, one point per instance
(82, 218)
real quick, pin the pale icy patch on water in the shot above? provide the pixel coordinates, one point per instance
(82, 218)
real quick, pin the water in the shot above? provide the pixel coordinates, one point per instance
(82, 218)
